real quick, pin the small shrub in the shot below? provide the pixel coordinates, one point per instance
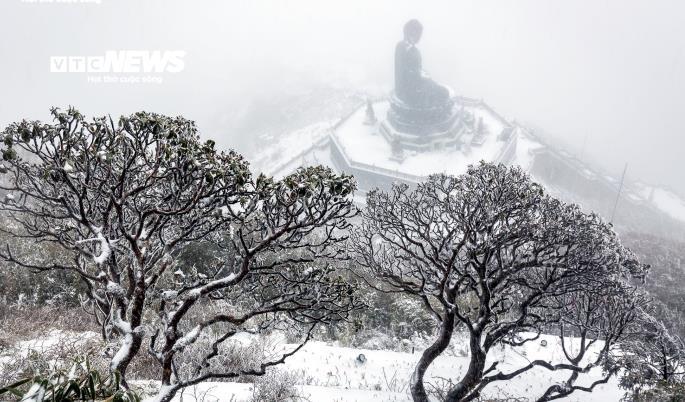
(81, 382)
(276, 386)
(245, 353)
(661, 392)
(45, 351)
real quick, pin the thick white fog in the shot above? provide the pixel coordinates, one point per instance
(602, 78)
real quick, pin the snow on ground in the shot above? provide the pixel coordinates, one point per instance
(289, 146)
(330, 373)
(669, 203)
(364, 144)
(54, 339)
(525, 146)
(239, 392)
(51, 344)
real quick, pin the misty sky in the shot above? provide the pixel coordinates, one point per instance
(607, 74)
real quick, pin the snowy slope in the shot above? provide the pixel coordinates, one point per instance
(332, 373)
(666, 200)
(287, 152)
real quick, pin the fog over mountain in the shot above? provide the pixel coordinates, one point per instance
(426, 200)
(603, 79)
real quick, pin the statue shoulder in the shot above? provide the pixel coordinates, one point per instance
(401, 47)
(407, 50)
(405, 47)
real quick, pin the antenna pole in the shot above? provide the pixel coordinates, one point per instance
(618, 195)
(582, 147)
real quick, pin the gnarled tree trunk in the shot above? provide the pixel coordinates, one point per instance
(474, 373)
(418, 390)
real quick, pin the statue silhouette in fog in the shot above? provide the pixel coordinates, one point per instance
(419, 105)
(412, 85)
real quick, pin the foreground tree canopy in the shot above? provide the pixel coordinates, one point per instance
(489, 253)
(121, 205)
(123, 199)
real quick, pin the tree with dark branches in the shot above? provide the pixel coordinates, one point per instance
(490, 253)
(654, 360)
(123, 200)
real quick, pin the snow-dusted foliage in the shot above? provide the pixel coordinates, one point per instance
(489, 253)
(666, 258)
(123, 200)
(654, 359)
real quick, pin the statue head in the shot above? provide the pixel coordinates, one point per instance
(412, 31)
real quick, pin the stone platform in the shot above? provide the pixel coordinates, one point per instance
(417, 129)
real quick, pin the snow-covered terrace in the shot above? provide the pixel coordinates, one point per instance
(364, 148)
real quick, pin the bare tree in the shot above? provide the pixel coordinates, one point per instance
(123, 200)
(490, 252)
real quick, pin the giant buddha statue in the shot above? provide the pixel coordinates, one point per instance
(419, 105)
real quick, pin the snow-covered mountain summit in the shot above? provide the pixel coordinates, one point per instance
(374, 154)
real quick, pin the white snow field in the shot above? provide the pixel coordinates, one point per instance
(329, 373)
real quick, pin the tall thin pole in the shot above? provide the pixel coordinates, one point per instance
(582, 147)
(577, 181)
(618, 195)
